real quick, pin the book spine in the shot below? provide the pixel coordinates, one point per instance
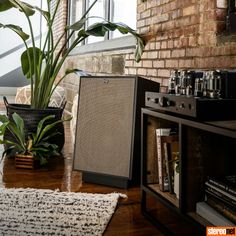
(160, 162)
(224, 198)
(222, 186)
(221, 207)
(220, 191)
(210, 194)
(210, 214)
(167, 155)
(160, 133)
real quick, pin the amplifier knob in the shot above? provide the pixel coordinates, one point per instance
(154, 100)
(163, 101)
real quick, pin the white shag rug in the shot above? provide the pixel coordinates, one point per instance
(47, 212)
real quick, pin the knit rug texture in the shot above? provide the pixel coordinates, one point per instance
(46, 212)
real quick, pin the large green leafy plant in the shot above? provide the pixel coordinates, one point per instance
(42, 64)
(36, 144)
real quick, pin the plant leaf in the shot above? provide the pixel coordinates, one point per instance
(77, 25)
(5, 5)
(28, 9)
(20, 125)
(49, 127)
(46, 138)
(28, 66)
(69, 71)
(46, 14)
(17, 29)
(3, 118)
(139, 49)
(3, 128)
(40, 125)
(80, 23)
(100, 29)
(12, 127)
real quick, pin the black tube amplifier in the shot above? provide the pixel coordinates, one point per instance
(196, 107)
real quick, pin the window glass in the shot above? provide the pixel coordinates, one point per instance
(76, 12)
(98, 10)
(10, 39)
(112, 10)
(123, 11)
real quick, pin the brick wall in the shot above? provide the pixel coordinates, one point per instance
(60, 21)
(184, 34)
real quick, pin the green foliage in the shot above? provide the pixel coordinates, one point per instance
(176, 161)
(36, 144)
(42, 65)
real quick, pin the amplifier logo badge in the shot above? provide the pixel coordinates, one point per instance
(106, 81)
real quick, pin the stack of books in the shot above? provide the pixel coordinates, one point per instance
(220, 195)
(167, 145)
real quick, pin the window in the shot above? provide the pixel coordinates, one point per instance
(231, 24)
(112, 10)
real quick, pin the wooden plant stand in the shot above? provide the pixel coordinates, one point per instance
(25, 161)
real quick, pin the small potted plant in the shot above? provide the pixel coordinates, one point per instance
(29, 148)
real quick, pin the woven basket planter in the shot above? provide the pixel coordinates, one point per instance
(32, 117)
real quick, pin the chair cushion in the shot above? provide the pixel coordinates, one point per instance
(57, 100)
(74, 117)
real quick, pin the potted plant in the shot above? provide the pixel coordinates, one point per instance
(41, 65)
(29, 148)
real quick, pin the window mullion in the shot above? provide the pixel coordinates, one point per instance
(85, 7)
(107, 16)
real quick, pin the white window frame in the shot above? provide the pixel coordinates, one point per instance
(123, 42)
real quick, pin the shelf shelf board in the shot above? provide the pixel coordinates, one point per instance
(170, 197)
(199, 219)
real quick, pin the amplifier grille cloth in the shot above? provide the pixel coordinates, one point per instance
(104, 128)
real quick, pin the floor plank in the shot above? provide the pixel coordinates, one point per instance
(58, 174)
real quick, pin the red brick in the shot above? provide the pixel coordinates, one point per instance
(150, 4)
(164, 54)
(163, 45)
(184, 42)
(151, 72)
(163, 73)
(172, 63)
(132, 71)
(176, 14)
(146, 14)
(165, 82)
(221, 3)
(147, 64)
(152, 54)
(158, 64)
(141, 8)
(161, 18)
(170, 44)
(178, 53)
(152, 46)
(193, 41)
(169, 7)
(190, 10)
(186, 63)
(142, 71)
(129, 63)
(140, 23)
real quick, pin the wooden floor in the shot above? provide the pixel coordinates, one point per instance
(127, 219)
